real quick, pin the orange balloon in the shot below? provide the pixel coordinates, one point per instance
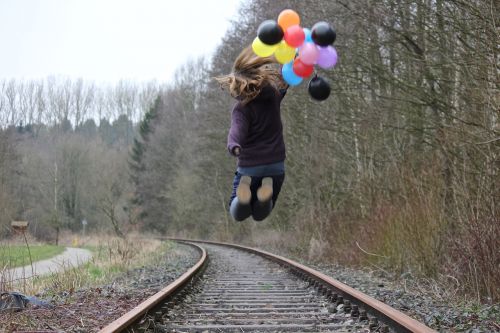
(287, 18)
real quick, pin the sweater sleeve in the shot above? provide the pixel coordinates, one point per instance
(238, 131)
(283, 91)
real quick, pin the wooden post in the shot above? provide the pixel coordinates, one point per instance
(20, 227)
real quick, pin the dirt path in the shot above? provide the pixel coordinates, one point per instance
(70, 258)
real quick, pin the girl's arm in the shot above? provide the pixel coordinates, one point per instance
(282, 86)
(238, 131)
(283, 91)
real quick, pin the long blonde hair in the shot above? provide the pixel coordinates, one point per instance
(249, 75)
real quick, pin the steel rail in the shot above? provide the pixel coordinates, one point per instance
(398, 320)
(140, 310)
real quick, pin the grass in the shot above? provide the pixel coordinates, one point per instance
(111, 257)
(12, 256)
(266, 286)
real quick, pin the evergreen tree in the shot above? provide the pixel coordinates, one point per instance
(138, 149)
(105, 131)
(121, 128)
(88, 129)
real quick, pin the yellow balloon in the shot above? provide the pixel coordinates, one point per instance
(261, 49)
(284, 53)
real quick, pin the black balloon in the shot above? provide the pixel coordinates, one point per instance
(270, 32)
(319, 88)
(323, 34)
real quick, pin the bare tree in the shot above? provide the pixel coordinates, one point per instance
(11, 95)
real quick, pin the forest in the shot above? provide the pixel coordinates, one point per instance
(398, 169)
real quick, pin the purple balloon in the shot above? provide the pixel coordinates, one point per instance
(308, 53)
(327, 57)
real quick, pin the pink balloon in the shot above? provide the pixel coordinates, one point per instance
(327, 57)
(309, 53)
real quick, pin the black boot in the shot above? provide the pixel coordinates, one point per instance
(264, 204)
(261, 210)
(240, 207)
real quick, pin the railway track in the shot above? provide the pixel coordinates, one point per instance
(238, 289)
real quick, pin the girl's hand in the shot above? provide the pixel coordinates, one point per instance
(236, 151)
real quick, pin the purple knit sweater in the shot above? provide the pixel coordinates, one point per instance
(257, 129)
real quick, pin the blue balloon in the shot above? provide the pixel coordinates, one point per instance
(289, 76)
(308, 34)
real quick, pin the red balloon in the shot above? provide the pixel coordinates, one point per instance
(295, 36)
(301, 69)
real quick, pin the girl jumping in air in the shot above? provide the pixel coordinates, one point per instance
(256, 135)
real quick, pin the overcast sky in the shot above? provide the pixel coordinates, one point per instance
(107, 40)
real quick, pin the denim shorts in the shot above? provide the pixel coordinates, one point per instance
(264, 170)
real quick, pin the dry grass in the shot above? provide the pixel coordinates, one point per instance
(407, 227)
(7, 247)
(111, 256)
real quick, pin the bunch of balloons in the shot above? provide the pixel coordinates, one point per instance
(298, 50)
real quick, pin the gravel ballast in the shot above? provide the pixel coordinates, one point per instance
(422, 300)
(90, 309)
